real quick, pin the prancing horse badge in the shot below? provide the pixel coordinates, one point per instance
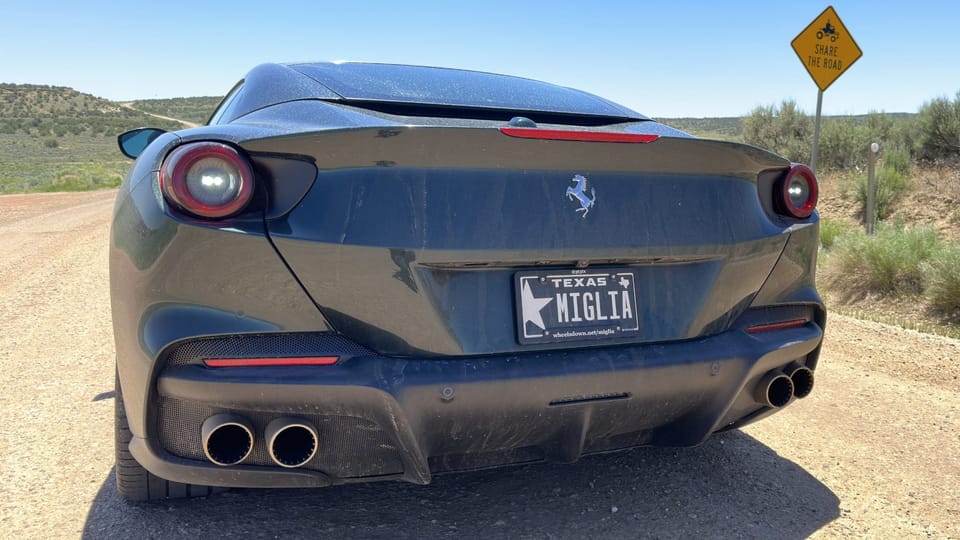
(579, 193)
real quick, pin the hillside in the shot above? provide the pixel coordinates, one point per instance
(56, 111)
(54, 138)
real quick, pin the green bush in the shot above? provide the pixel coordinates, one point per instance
(890, 262)
(897, 157)
(830, 231)
(942, 279)
(843, 144)
(905, 134)
(786, 130)
(939, 129)
(82, 177)
(893, 180)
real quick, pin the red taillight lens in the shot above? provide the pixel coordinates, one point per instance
(797, 193)
(207, 179)
(272, 362)
(770, 327)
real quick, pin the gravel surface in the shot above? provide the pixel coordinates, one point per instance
(875, 450)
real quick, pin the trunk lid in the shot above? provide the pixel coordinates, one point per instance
(411, 240)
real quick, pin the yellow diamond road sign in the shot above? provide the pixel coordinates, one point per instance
(826, 48)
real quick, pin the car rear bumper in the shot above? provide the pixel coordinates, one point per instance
(390, 418)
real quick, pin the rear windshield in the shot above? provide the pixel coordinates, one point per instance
(456, 88)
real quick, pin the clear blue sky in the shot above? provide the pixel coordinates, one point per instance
(667, 58)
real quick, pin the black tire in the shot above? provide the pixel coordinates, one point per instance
(133, 481)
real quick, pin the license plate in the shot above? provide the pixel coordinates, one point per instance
(576, 305)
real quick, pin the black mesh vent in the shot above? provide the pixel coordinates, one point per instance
(349, 446)
(252, 346)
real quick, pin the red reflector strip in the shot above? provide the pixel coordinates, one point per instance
(776, 326)
(271, 362)
(588, 136)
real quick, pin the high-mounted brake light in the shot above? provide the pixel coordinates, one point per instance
(573, 135)
(796, 194)
(207, 179)
(271, 362)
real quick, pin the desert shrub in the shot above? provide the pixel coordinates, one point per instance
(786, 130)
(942, 280)
(82, 177)
(938, 124)
(843, 144)
(897, 158)
(905, 134)
(879, 125)
(51, 143)
(890, 262)
(830, 231)
(893, 180)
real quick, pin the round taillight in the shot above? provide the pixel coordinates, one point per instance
(207, 179)
(797, 196)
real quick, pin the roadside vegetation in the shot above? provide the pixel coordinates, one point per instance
(74, 163)
(909, 271)
(904, 275)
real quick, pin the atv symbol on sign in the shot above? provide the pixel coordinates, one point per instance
(827, 31)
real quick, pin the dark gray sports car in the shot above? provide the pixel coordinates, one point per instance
(363, 272)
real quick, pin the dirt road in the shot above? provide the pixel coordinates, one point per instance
(875, 451)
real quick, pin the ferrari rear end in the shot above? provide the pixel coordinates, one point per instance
(347, 285)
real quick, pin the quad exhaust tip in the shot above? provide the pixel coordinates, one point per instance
(802, 378)
(227, 439)
(292, 442)
(775, 389)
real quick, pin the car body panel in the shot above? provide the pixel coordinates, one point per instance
(674, 224)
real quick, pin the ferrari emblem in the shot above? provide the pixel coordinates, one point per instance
(579, 193)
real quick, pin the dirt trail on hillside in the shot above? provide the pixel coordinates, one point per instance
(160, 116)
(874, 451)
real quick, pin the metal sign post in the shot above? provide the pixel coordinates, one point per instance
(871, 218)
(826, 49)
(816, 133)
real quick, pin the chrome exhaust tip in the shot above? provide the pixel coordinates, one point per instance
(291, 442)
(227, 439)
(802, 378)
(775, 389)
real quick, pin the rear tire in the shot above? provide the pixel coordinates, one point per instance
(133, 481)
